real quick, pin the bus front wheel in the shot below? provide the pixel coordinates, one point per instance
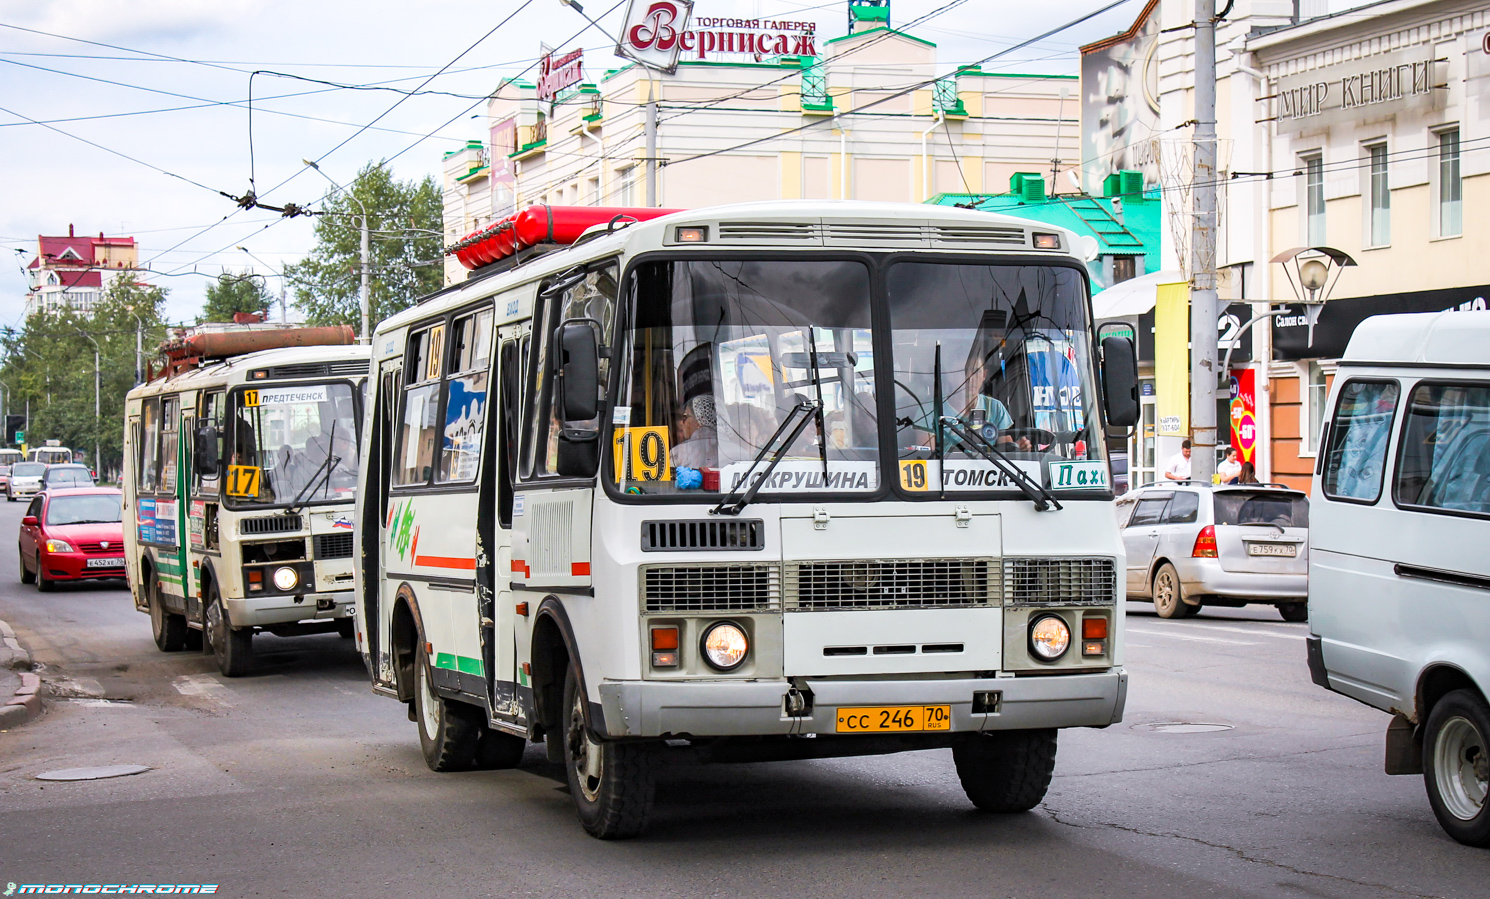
(612, 784)
(1006, 771)
(448, 731)
(232, 647)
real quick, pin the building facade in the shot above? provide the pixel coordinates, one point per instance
(794, 116)
(72, 272)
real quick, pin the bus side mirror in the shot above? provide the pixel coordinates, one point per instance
(1120, 381)
(579, 371)
(204, 452)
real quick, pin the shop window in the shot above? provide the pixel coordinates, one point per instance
(1449, 195)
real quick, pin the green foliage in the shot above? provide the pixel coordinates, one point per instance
(405, 262)
(232, 293)
(50, 363)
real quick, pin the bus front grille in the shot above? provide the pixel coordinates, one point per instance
(711, 588)
(269, 524)
(334, 546)
(691, 536)
(1059, 582)
(891, 584)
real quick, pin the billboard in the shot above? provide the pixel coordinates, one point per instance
(1120, 103)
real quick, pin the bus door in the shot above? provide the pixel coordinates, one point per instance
(498, 607)
(374, 524)
(132, 463)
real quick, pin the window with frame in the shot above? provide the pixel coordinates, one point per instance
(465, 397)
(1314, 200)
(170, 419)
(1444, 460)
(414, 445)
(1450, 187)
(147, 449)
(1183, 509)
(1380, 191)
(1150, 510)
(592, 296)
(1356, 452)
(1317, 397)
(210, 413)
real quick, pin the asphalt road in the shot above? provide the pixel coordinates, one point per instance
(298, 781)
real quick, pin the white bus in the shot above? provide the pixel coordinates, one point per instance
(54, 453)
(239, 479)
(767, 481)
(1398, 577)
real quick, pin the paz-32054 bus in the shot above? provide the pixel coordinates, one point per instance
(771, 481)
(239, 481)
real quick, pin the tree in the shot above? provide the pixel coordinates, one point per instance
(405, 246)
(49, 363)
(232, 293)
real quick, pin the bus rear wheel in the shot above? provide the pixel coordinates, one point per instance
(232, 647)
(1006, 771)
(612, 784)
(168, 629)
(448, 731)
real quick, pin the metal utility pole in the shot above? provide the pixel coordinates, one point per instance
(1203, 333)
(362, 295)
(651, 132)
(97, 413)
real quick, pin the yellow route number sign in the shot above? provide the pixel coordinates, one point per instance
(250, 398)
(243, 480)
(914, 475)
(649, 456)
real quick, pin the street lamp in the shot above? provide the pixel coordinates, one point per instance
(283, 314)
(1308, 271)
(362, 293)
(97, 414)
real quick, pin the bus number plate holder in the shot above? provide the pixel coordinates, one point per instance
(894, 719)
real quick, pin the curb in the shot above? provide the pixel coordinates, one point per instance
(26, 703)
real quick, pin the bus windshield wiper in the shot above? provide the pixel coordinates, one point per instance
(817, 387)
(729, 505)
(322, 474)
(1037, 494)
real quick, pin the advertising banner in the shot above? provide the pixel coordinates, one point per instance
(1172, 359)
(1120, 102)
(1244, 413)
(652, 33)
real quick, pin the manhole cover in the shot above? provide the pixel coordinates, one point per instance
(99, 773)
(1183, 727)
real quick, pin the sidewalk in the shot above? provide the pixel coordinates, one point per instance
(19, 701)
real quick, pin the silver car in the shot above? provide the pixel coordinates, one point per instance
(25, 480)
(1191, 545)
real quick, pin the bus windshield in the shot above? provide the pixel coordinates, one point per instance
(720, 353)
(293, 444)
(1011, 345)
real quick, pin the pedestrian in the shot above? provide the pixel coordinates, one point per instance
(1179, 465)
(1248, 474)
(1230, 469)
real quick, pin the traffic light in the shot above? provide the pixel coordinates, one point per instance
(15, 429)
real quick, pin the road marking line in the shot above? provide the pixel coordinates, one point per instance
(1243, 630)
(1196, 639)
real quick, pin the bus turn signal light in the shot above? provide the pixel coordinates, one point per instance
(664, 647)
(1094, 628)
(1205, 543)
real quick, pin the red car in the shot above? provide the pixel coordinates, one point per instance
(72, 535)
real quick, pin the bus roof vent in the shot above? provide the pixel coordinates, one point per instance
(847, 234)
(347, 368)
(773, 233)
(702, 536)
(978, 236)
(269, 524)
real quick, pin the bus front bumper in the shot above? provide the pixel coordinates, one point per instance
(259, 611)
(758, 708)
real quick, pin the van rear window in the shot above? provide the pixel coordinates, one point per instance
(1289, 510)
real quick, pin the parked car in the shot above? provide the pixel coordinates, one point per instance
(1191, 545)
(4, 475)
(68, 475)
(25, 480)
(69, 535)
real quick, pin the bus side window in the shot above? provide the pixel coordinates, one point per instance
(1358, 437)
(210, 414)
(595, 298)
(149, 445)
(465, 397)
(170, 420)
(414, 445)
(1445, 453)
(508, 420)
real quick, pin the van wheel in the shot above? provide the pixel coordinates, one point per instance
(1456, 766)
(448, 731)
(1294, 611)
(168, 629)
(612, 784)
(1169, 596)
(1006, 771)
(231, 646)
(27, 575)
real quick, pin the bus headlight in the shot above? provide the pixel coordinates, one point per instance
(725, 646)
(285, 579)
(1050, 637)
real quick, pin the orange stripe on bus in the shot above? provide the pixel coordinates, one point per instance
(446, 562)
(579, 569)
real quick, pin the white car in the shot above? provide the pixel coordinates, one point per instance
(1190, 545)
(25, 480)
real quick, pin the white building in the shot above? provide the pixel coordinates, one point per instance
(831, 119)
(72, 272)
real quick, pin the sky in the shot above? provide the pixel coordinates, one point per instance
(183, 122)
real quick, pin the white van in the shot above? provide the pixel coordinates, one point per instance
(1399, 576)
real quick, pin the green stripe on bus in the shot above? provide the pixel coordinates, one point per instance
(463, 664)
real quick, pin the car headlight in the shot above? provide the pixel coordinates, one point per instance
(1050, 637)
(725, 646)
(59, 546)
(285, 578)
